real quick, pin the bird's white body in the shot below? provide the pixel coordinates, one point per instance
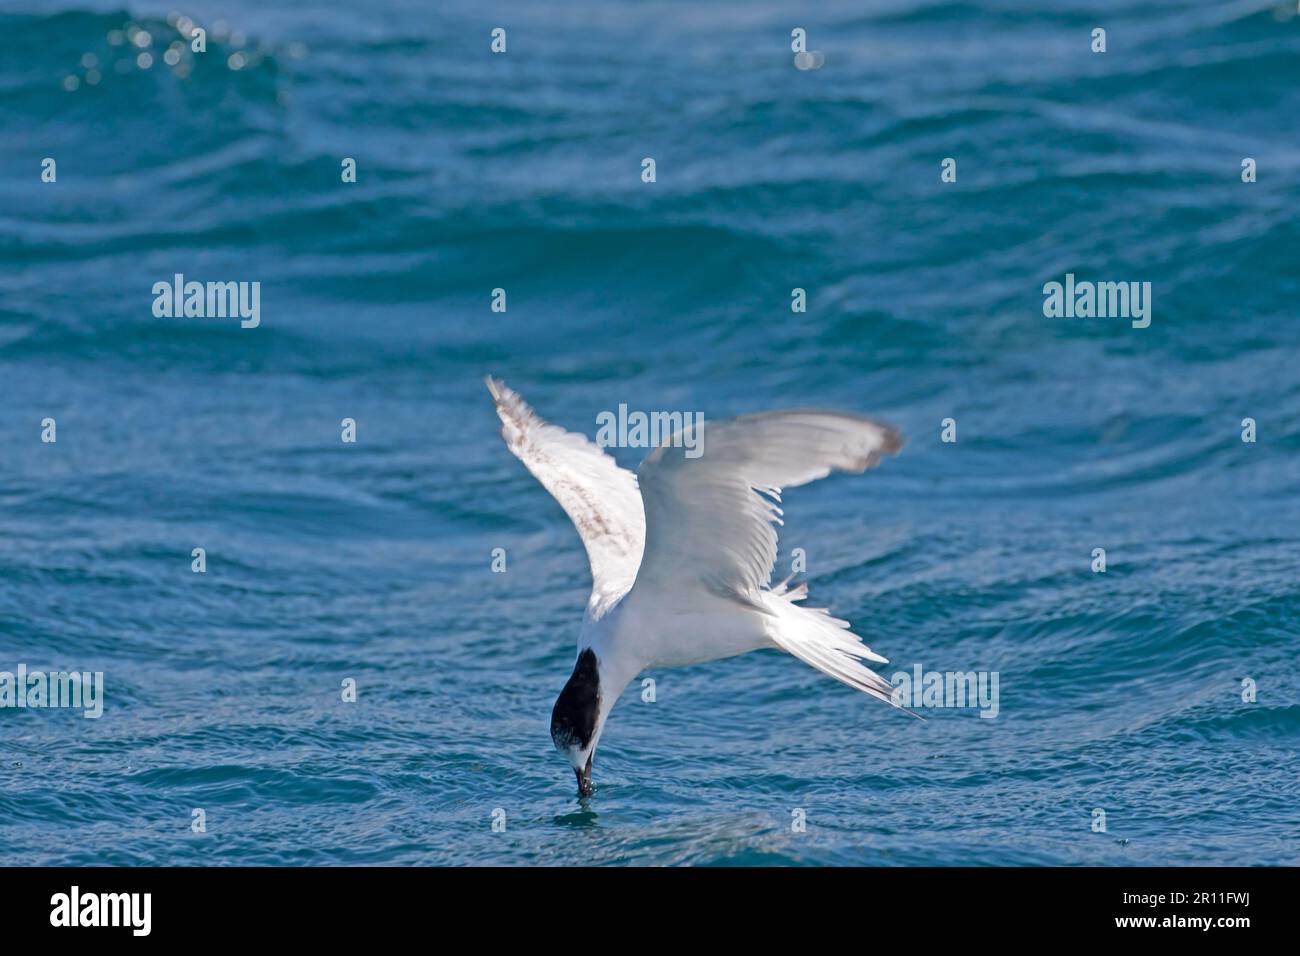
(649, 632)
(682, 552)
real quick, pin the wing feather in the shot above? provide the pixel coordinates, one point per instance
(600, 498)
(711, 518)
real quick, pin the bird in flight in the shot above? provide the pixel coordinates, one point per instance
(682, 552)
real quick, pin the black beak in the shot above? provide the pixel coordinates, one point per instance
(585, 789)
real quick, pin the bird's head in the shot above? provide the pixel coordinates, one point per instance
(578, 717)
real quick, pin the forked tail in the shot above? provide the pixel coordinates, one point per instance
(824, 642)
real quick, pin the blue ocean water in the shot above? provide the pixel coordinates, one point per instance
(1119, 691)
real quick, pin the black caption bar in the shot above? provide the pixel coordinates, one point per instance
(218, 905)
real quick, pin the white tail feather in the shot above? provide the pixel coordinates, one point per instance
(824, 642)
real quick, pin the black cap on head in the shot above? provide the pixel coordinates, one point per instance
(573, 720)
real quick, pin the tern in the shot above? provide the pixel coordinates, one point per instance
(682, 552)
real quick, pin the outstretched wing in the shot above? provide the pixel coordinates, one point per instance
(600, 498)
(709, 519)
(709, 524)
